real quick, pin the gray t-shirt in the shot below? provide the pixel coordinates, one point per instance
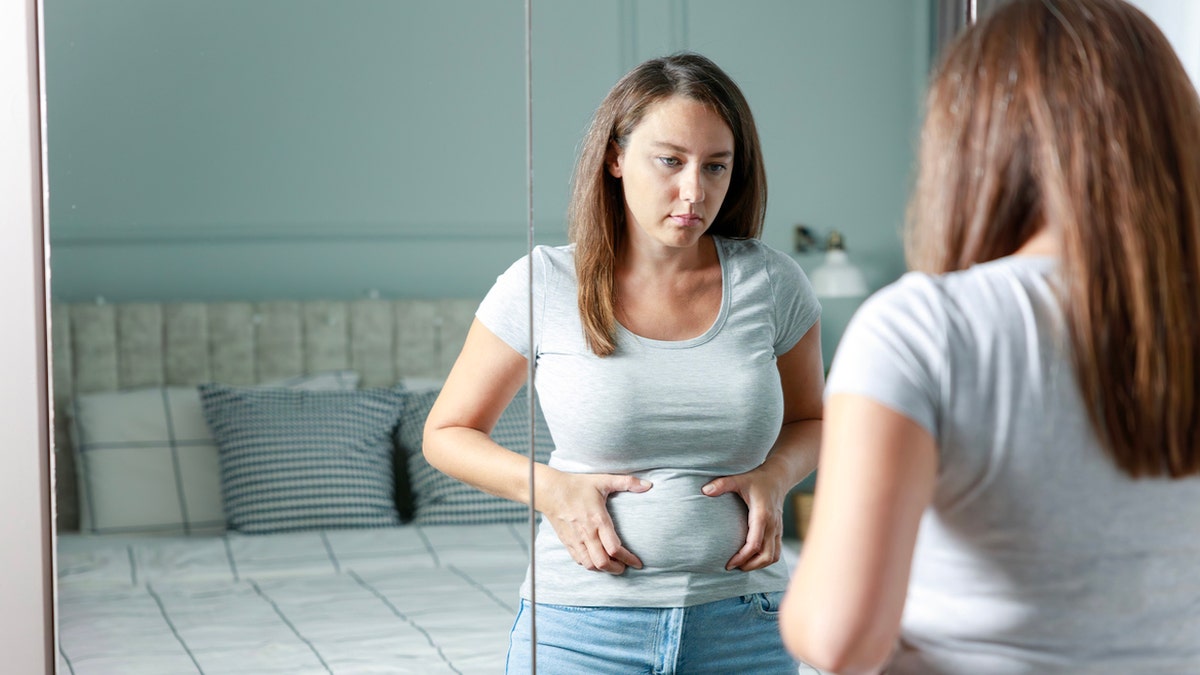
(677, 413)
(1037, 555)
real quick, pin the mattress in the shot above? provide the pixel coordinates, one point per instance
(410, 599)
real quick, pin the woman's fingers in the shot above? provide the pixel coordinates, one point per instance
(627, 484)
(718, 487)
(756, 555)
(764, 539)
(615, 549)
(601, 550)
(766, 556)
(598, 558)
(584, 526)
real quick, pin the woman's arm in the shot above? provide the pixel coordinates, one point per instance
(843, 606)
(792, 457)
(483, 381)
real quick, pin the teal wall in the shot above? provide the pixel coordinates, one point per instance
(223, 149)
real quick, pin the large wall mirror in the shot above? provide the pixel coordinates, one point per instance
(254, 191)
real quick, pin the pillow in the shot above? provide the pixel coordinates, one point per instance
(404, 497)
(442, 500)
(304, 460)
(418, 384)
(147, 462)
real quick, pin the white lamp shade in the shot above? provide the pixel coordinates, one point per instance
(837, 277)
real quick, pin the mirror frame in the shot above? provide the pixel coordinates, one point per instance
(27, 629)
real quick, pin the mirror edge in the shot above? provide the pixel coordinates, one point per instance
(28, 641)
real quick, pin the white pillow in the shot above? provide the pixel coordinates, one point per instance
(147, 462)
(419, 385)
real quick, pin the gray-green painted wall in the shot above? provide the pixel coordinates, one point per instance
(223, 149)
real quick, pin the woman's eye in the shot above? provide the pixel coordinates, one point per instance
(717, 169)
(669, 161)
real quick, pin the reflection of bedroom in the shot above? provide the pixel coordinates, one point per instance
(271, 219)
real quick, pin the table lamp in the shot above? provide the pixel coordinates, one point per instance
(837, 277)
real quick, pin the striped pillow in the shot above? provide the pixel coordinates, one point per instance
(301, 460)
(442, 500)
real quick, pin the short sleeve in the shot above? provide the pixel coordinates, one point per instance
(505, 309)
(796, 306)
(894, 351)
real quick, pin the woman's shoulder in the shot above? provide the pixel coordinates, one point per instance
(990, 273)
(749, 247)
(548, 262)
(1001, 270)
(910, 286)
(756, 252)
(979, 288)
(928, 298)
(554, 257)
(913, 308)
(965, 302)
(555, 252)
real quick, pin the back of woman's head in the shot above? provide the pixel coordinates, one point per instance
(596, 214)
(1077, 116)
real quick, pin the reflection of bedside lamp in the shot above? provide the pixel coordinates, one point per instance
(836, 277)
(839, 284)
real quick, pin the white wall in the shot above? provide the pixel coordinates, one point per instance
(25, 605)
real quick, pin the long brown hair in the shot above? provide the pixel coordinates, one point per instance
(596, 214)
(1076, 115)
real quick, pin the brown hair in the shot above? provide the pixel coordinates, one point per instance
(1076, 115)
(596, 214)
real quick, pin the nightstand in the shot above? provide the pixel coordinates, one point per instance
(802, 503)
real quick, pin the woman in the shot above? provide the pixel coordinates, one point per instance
(1009, 473)
(679, 371)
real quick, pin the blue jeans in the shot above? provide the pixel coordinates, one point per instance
(738, 635)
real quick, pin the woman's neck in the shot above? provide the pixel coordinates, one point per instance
(1044, 243)
(644, 259)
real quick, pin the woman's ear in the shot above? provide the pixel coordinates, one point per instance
(612, 159)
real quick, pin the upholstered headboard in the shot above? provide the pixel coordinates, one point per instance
(106, 347)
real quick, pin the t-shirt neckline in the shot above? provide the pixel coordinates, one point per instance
(707, 335)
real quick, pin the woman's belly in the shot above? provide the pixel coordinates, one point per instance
(673, 527)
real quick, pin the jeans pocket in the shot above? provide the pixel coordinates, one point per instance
(766, 603)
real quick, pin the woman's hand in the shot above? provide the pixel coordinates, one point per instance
(764, 497)
(576, 505)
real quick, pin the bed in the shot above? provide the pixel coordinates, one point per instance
(411, 599)
(240, 490)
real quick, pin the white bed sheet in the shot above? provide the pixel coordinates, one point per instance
(400, 600)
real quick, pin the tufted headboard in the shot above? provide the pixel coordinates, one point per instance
(106, 347)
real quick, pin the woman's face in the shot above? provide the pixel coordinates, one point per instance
(674, 172)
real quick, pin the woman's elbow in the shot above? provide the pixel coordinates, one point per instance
(432, 442)
(827, 648)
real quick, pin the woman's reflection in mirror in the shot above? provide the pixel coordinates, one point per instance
(1010, 473)
(679, 370)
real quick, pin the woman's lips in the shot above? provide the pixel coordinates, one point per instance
(686, 219)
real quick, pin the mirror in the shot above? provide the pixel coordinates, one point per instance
(225, 151)
(246, 193)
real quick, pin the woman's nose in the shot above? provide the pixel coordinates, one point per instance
(690, 188)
